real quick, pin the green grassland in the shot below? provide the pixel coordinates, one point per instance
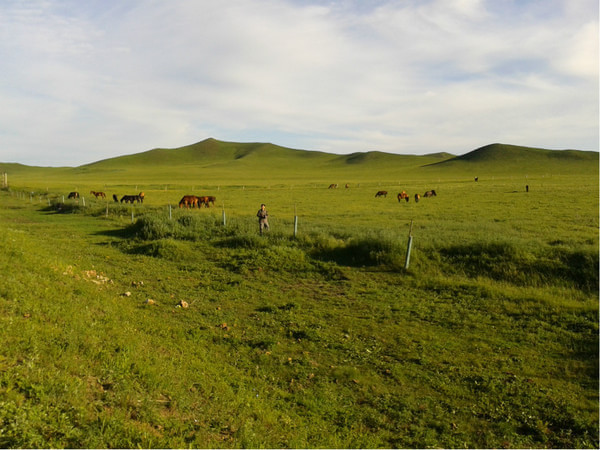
(319, 339)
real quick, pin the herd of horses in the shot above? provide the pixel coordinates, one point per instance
(188, 201)
(194, 201)
(404, 196)
(137, 198)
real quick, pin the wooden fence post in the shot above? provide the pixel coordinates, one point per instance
(295, 222)
(409, 246)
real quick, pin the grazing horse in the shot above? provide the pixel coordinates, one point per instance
(381, 194)
(189, 200)
(73, 195)
(133, 198)
(430, 193)
(417, 198)
(206, 200)
(98, 194)
(115, 198)
(347, 186)
(403, 195)
(332, 186)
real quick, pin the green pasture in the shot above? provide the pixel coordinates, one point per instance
(320, 339)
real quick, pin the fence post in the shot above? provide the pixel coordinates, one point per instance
(224, 219)
(170, 212)
(295, 222)
(409, 246)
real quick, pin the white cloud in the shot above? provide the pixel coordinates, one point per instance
(402, 76)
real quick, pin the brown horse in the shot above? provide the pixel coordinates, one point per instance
(381, 194)
(430, 193)
(98, 194)
(206, 200)
(417, 198)
(188, 201)
(115, 198)
(332, 186)
(73, 195)
(403, 196)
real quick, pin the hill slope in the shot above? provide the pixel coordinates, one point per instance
(218, 162)
(502, 158)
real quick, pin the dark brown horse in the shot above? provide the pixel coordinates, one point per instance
(417, 198)
(133, 198)
(381, 194)
(115, 198)
(403, 196)
(188, 201)
(430, 193)
(332, 186)
(73, 195)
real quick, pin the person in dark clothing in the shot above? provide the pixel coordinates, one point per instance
(263, 219)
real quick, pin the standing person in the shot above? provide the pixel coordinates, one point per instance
(263, 218)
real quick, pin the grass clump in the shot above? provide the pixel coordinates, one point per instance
(187, 227)
(508, 262)
(375, 248)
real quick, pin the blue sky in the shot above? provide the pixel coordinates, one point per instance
(85, 81)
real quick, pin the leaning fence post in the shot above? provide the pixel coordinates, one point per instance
(409, 246)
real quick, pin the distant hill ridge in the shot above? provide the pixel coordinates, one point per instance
(215, 159)
(212, 150)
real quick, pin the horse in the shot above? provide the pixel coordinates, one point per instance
(133, 198)
(381, 194)
(206, 200)
(332, 186)
(73, 195)
(115, 198)
(417, 198)
(347, 186)
(188, 200)
(430, 193)
(98, 194)
(403, 195)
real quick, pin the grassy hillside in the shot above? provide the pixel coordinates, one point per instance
(213, 162)
(324, 339)
(495, 159)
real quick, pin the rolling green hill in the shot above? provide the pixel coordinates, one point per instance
(502, 158)
(214, 161)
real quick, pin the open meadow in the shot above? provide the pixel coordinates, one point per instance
(147, 325)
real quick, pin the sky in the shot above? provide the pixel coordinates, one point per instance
(82, 81)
